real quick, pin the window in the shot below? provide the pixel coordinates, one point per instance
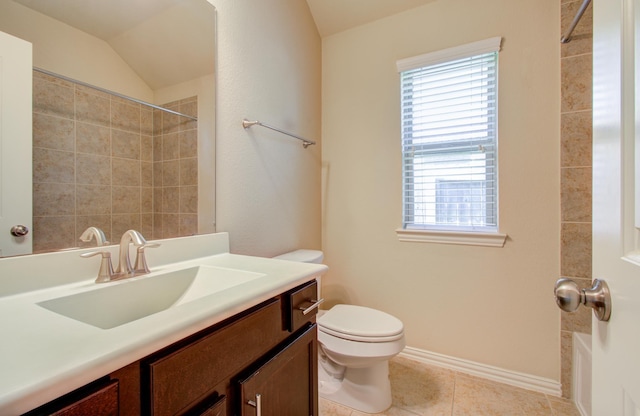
(449, 139)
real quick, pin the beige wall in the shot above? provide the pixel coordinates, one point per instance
(268, 186)
(64, 50)
(489, 305)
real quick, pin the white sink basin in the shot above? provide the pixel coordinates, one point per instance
(113, 304)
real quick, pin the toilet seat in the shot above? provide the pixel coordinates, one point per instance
(359, 323)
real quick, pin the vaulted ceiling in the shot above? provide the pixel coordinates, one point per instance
(333, 16)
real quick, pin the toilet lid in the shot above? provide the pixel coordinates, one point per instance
(359, 323)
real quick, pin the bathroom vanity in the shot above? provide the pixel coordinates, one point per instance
(229, 352)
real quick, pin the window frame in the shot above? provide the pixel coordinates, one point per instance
(448, 234)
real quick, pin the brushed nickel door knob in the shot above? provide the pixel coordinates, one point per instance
(19, 230)
(569, 297)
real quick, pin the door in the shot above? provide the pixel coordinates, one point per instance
(15, 144)
(616, 205)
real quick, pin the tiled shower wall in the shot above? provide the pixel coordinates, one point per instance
(576, 163)
(103, 161)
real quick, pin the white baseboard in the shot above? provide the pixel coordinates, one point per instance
(512, 378)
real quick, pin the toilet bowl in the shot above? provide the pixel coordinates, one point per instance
(355, 346)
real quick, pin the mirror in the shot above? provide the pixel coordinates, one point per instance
(103, 160)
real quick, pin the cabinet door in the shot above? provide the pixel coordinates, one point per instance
(176, 382)
(285, 383)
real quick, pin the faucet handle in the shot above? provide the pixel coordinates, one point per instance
(141, 260)
(105, 273)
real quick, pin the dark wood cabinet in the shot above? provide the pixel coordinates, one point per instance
(269, 349)
(99, 398)
(283, 383)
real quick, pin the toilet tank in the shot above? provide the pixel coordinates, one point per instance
(302, 256)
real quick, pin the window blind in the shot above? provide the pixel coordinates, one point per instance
(449, 138)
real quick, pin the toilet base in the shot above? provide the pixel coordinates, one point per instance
(364, 389)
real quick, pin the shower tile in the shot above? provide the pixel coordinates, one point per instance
(580, 320)
(146, 226)
(93, 199)
(566, 363)
(53, 166)
(189, 171)
(53, 132)
(125, 116)
(53, 233)
(157, 199)
(93, 169)
(576, 250)
(54, 199)
(157, 225)
(576, 85)
(188, 199)
(171, 173)
(171, 122)
(146, 120)
(146, 174)
(92, 109)
(157, 148)
(171, 146)
(103, 222)
(189, 108)
(158, 171)
(125, 199)
(188, 143)
(171, 199)
(125, 172)
(188, 224)
(125, 144)
(170, 225)
(123, 222)
(575, 194)
(92, 91)
(576, 140)
(53, 98)
(582, 37)
(94, 139)
(39, 76)
(146, 199)
(157, 122)
(146, 148)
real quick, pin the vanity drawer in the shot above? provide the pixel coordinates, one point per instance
(301, 306)
(96, 399)
(183, 378)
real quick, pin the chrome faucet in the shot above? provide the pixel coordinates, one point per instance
(94, 232)
(124, 269)
(124, 266)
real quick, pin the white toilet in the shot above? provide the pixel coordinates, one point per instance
(355, 346)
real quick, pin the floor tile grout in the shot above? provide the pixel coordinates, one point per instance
(422, 390)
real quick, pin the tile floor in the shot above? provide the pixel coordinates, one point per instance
(423, 390)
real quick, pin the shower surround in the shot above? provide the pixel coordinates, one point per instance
(100, 160)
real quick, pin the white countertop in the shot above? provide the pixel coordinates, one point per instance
(44, 355)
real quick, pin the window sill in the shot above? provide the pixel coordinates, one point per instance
(452, 237)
